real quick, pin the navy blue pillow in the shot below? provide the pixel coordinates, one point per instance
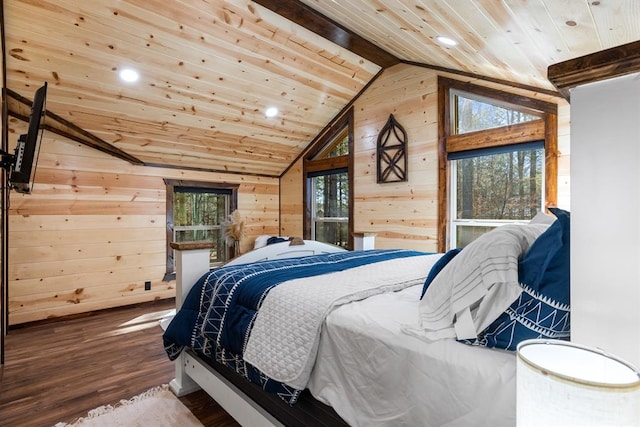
(437, 267)
(273, 239)
(543, 308)
(549, 274)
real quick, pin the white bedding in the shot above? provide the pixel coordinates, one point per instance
(373, 374)
(285, 335)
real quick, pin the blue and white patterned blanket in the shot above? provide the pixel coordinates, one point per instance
(219, 312)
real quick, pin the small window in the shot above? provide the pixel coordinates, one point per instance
(196, 212)
(474, 113)
(198, 215)
(339, 146)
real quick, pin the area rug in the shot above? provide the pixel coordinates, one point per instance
(156, 407)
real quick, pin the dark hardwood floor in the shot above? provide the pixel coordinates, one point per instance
(59, 370)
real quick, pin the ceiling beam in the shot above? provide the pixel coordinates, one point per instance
(301, 14)
(20, 108)
(605, 64)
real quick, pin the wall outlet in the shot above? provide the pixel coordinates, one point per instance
(147, 285)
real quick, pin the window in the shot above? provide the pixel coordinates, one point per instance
(493, 187)
(330, 208)
(497, 157)
(328, 191)
(196, 212)
(474, 113)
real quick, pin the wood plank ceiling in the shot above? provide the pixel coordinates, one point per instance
(513, 40)
(210, 68)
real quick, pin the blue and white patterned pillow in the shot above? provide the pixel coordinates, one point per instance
(543, 308)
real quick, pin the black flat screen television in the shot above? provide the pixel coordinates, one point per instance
(23, 168)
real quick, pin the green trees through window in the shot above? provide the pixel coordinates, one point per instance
(195, 212)
(494, 158)
(331, 207)
(479, 114)
(500, 186)
(494, 189)
(328, 197)
(198, 216)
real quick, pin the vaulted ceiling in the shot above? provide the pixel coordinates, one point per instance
(209, 69)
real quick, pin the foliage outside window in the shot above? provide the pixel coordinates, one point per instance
(496, 160)
(337, 147)
(196, 212)
(494, 189)
(198, 216)
(331, 208)
(328, 197)
(473, 114)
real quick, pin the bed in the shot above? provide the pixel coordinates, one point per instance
(418, 339)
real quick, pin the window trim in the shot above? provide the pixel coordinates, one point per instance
(312, 167)
(545, 129)
(171, 185)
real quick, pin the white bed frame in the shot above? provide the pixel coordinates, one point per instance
(192, 261)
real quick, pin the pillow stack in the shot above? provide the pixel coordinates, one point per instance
(508, 285)
(543, 308)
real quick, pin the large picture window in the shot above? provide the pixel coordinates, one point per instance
(491, 188)
(498, 160)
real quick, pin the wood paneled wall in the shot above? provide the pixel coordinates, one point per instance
(93, 230)
(404, 215)
(291, 206)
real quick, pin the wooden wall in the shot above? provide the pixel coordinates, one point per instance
(404, 214)
(291, 191)
(93, 230)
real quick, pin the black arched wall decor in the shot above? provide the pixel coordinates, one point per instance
(392, 152)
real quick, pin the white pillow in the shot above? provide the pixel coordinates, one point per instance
(542, 218)
(261, 241)
(478, 285)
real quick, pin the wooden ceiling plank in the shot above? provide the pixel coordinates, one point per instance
(344, 80)
(422, 23)
(118, 127)
(616, 22)
(506, 50)
(194, 108)
(575, 26)
(210, 67)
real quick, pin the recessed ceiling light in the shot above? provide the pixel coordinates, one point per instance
(447, 41)
(271, 112)
(129, 75)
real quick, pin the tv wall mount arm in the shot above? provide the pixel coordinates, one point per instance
(8, 160)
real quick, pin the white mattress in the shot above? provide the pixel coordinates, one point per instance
(373, 374)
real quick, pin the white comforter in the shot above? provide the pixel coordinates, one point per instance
(373, 374)
(284, 339)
